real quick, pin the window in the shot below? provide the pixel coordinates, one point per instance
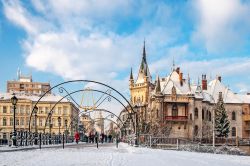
(203, 114)
(17, 122)
(11, 121)
(46, 110)
(27, 109)
(65, 110)
(4, 136)
(21, 109)
(4, 122)
(40, 122)
(233, 131)
(190, 116)
(196, 130)
(41, 110)
(174, 110)
(209, 116)
(196, 113)
(4, 109)
(27, 121)
(59, 110)
(22, 121)
(11, 109)
(233, 116)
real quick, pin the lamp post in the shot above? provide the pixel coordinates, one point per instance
(59, 125)
(66, 128)
(50, 127)
(36, 133)
(14, 102)
(136, 127)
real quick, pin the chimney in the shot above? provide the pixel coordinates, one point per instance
(181, 78)
(178, 70)
(204, 82)
(219, 78)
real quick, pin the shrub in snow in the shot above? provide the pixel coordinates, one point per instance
(209, 149)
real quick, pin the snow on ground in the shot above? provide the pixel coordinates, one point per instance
(109, 155)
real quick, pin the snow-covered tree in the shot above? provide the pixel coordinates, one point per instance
(222, 124)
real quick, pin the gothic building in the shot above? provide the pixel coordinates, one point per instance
(175, 107)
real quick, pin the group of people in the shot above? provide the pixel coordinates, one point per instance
(93, 138)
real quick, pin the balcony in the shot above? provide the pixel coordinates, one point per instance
(176, 118)
(247, 128)
(246, 117)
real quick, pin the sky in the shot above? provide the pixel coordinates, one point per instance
(101, 40)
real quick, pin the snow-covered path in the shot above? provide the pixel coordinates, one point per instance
(125, 155)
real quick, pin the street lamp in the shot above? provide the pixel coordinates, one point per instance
(14, 102)
(136, 127)
(50, 127)
(36, 134)
(66, 128)
(59, 125)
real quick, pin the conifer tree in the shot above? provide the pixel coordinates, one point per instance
(222, 124)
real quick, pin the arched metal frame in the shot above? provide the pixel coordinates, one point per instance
(85, 113)
(87, 81)
(69, 94)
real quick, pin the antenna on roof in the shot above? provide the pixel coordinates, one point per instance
(173, 64)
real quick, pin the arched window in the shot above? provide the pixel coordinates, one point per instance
(209, 116)
(157, 113)
(134, 99)
(190, 116)
(4, 122)
(196, 130)
(174, 110)
(233, 116)
(233, 131)
(203, 114)
(196, 113)
(11, 121)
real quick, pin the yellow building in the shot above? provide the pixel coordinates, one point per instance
(65, 109)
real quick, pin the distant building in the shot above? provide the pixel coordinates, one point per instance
(174, 107)
(25, 84)
(65, 109)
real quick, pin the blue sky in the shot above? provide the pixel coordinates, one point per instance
(102, 40)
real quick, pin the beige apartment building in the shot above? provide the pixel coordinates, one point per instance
(184, 109)
(25, 84)
(65, 109)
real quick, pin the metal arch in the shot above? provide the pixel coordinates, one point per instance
(69, 94)
(85, 113)
(90, 81)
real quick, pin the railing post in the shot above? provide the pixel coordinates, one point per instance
(150, 141)
(63, 141)
(177, 143)
(40, 140)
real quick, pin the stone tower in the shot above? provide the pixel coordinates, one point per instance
(139, 88)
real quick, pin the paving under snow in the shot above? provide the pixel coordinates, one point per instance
(109, 155)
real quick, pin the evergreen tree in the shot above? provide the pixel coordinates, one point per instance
(222, 124)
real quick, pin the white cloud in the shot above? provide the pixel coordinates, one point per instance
(222, 25)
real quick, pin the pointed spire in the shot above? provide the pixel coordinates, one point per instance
(131, 74)
(144, 53)
(189, 84)
(158, 85)
(173, 64)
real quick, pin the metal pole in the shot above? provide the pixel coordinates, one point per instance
(214, 128)
(40, 140)
(63, 141)
(14, 127)
(36, 134)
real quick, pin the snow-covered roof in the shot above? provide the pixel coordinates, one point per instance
(46, 98)
(215, 86)
(171, 81)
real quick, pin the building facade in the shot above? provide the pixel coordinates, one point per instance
(174, 107)
(25, 84)
(64, 109)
